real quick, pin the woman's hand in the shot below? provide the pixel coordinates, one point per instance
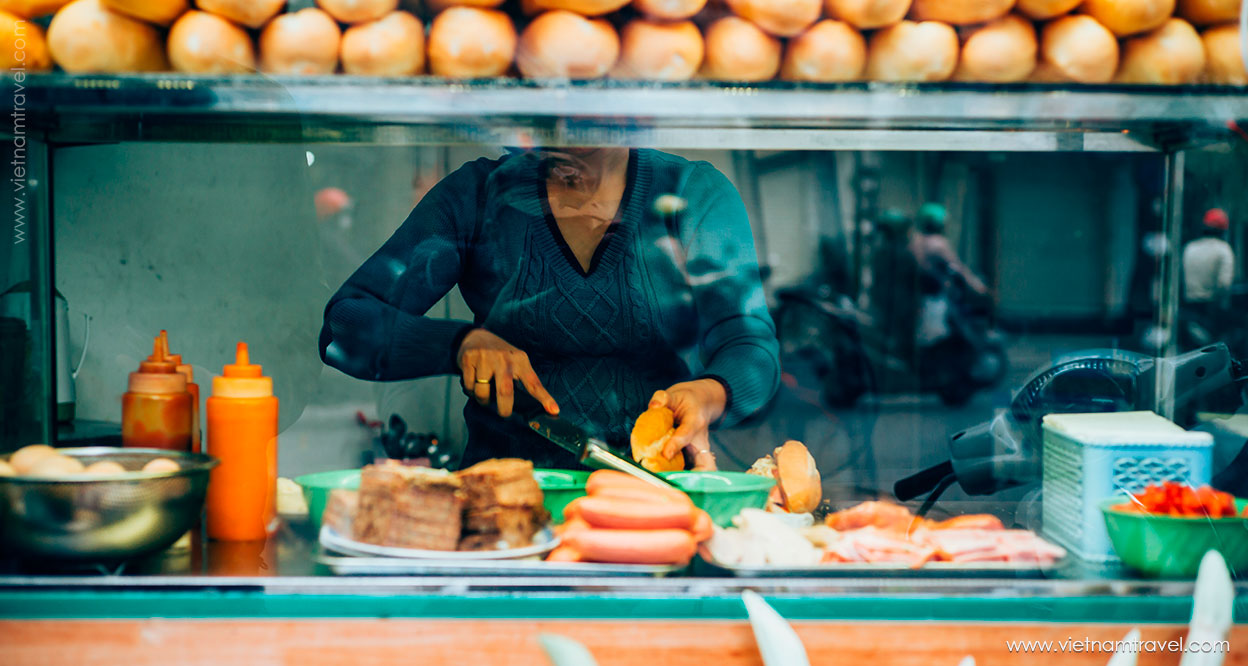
(696, 405)
(487, 360)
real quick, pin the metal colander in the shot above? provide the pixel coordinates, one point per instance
(103, 518)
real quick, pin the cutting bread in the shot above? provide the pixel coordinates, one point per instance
(1002, 51)
(912, 51)
(1223, 62)
(1170, 55)
(799, 488)
(829, 51)
(1129, 17)
(1077, 48)
(649, 440)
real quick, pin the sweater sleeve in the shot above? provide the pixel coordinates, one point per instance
(375, 327)
(738, 339)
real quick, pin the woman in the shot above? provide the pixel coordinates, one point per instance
(602, 281)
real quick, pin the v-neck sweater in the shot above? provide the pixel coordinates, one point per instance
(673, 294)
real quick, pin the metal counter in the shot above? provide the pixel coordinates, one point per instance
(281, 579)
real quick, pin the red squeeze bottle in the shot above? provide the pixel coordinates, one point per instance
(156, 409)
(191, 387)
(242, 434)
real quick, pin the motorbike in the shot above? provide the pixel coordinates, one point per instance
(852, 354)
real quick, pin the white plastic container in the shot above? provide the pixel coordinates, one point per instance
(1089, 457)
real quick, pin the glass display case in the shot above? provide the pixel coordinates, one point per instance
(929, 257)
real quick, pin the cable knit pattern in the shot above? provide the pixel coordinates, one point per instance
(669, 298)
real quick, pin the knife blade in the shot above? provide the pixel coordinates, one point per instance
(589, 451)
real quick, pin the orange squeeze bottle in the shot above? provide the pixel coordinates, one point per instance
(156, 408)
(191, 387)
(242, 434)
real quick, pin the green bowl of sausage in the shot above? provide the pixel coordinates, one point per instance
(559, 488)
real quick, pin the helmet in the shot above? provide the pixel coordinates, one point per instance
(931, 218)
(1217, 219)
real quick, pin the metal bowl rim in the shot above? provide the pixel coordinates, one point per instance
(202, 463)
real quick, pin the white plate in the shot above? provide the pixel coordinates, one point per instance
(543, 543)
(394, 566)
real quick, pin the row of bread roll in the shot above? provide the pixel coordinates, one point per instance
(474, 42)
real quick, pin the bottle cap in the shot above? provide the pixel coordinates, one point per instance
(157, 374)
(176, 358)
(242, 379)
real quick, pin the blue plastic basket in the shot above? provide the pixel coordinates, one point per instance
(1089, 457)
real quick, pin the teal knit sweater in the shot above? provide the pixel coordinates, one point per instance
(669, 296)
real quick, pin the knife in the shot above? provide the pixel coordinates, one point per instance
(589, 451)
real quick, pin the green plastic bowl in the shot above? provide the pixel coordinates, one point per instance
(316, 488)
(723, 494)
(559, 488)
(1169, 547)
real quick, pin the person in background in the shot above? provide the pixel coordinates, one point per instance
(938, 265)
(1208, 270)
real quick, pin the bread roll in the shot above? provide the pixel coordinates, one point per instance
(1169, 55)
(251, 13)
(782, 18)
(1045, 9)
(799, 487)
(669, 10)
(1077, 48)
(911, 51)
(659, 51)
(960, 12)
(203, 43)
(560, 44)
(738, 50)
(302, 42)
(160, 12)
(29, 47)
(1223, 62)
(86, 37)
(393, 45)
(435, 6)
(1128, 17)
(1209, 12)
(1002, 51)
(469, 43)
(650, 436)
(868, 14)
(357, 11)
(29, 9)
(582, 7)
(829, 51)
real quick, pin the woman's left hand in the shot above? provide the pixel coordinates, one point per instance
(696, 405)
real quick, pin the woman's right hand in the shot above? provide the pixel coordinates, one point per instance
(487, 361)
